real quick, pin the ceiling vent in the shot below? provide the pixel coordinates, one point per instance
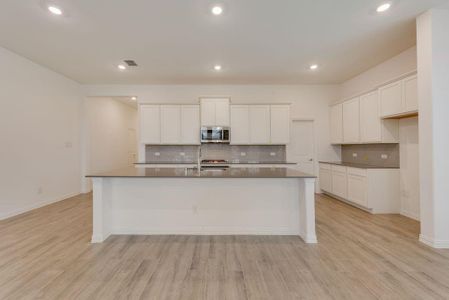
(130, 62)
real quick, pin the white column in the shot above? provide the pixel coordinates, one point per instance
(101, 210)
(307, 210)
(433, 90)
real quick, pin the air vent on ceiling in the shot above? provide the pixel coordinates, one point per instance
(130, 62)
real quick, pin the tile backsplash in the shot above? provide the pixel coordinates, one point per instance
(159, 154)
(381, 155)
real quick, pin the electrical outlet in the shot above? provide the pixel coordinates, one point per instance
(182, 154)
(384, 156)
(272, 153)
(157, 154)
(354, 155)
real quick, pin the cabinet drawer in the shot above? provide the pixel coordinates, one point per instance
(340, 169)
(356, 172)
(325, 166)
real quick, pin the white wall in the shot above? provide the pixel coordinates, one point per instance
(409, 158)
(404, 63)
(393, 68)
(110, 143)
(39, 130)
(308, 101)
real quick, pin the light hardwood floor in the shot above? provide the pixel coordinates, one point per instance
(46, 254)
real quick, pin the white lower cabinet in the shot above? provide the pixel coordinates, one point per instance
(325, 175)
(339, 181)
(357, 186)
(375, 190)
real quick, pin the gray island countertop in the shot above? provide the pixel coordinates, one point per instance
(355, 165)
(133, 172)
(224, 163)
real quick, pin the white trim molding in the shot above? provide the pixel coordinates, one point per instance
(410, 214)
(437, 244)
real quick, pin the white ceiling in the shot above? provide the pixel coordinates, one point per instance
(179, 41)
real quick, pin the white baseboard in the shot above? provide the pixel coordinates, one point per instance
(205, 231)
(409, 214)
(33, 206)
(438, 244)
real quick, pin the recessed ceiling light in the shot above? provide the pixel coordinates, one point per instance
(384, 7)
(313, 67)
(121, 67)
(217, 10)
(134, 98)
(217, 68)
(55, 10)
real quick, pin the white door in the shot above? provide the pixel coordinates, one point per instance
(150, 127)
(336, 123)
(259, 126)
(370, 122)
(239, 124)
(351, 121)
(280, 124)
(190, 124)
(301, 148)
(170, 124)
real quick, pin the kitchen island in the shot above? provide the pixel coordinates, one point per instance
(263, 201)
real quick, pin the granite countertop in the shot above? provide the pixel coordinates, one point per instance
(225, 163)
(132, 172)
(354, 165)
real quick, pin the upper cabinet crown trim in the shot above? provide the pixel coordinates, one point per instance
(376, 87)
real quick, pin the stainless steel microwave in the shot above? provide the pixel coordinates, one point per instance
(215, 134)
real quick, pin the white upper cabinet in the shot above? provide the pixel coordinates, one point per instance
(190, 124)
(150, 126)
(260, 124)
(336, 124)
(222, 112)
(411, 94)
(373, 128)
(370, 122)
(170, 124)
(240, 125)
(391, 99)
(259, 127)
(280, 124)
(399, 98)
(351, 121)
(215, 112)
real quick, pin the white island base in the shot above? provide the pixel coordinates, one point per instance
(203, 206)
